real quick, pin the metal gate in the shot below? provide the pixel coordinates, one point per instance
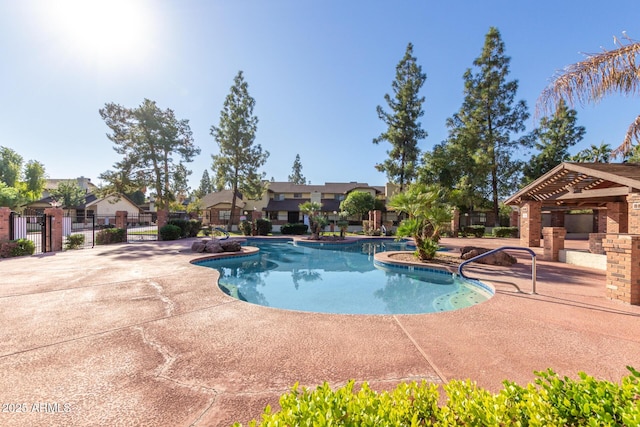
(32, 227)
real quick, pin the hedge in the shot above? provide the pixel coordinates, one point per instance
(170, 232)
(188, 227)
(549, 401)
(297, 228)
(111, 235)
(505, 231)
(474, 230)
(14, 248)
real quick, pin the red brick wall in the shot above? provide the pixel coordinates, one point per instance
(623, 267)
(617, 217)
(5, 217)
(633, 208)
(553, 242)
(530, 223)
(54, 234)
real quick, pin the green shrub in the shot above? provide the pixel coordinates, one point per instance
(550, 401)
(263, 227)
(170, 232)
(188, 227)
(111, 235)
(473, 230)
(505, 231)
(74, 241)
(297, 228)
(14, 248)
(246, 227)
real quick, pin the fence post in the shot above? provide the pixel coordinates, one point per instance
(121, 219)
(53, 234)
(5, 223)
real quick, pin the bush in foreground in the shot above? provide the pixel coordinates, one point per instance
(111, 235)
(170, 232)
(550, 401)
(14, 248)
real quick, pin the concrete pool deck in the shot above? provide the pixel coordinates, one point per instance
(136, 335)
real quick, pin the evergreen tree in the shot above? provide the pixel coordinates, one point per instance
(34, 179)
(296, 176)
(10, 166)
(206, 186)
(69, 194)
(180, 183)
(239, 158)
(554, 137)
(478, 153)
(148, 139)
(403, 128)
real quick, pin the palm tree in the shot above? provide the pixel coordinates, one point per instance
(427, 215)
(599, 75)
(595, 154)
(316, 220)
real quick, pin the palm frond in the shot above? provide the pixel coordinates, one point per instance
(632, 133)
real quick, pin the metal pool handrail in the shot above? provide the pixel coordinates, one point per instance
(504, 248)
(222, 230)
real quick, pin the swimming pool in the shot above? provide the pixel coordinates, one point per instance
(341, 278)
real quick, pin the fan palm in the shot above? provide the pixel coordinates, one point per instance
(599, 75)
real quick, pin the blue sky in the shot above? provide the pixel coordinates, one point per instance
(317, 70)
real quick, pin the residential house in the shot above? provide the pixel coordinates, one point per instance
(217, 207)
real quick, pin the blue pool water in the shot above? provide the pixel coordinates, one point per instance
(341, 278)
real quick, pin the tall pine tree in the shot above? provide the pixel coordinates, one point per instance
(296, 176)
(403, 128)
(477, 155)
(553, 139)
(205, 187)
(240, 158)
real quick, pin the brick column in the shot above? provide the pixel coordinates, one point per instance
(530, 223)
(163, 217)
(514, 218)
(633, 208)
(595, 243)
(617, 217)
(455, 222)
(53, 234)
(602, 221)
(121, 219)
(553, 242)
(5, 225)
(623, 267)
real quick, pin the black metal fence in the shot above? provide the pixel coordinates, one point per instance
(102, 229)
(30, 227)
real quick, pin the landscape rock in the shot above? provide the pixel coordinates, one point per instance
(198, 246)
(499, 258)
(230, 246)
(213, 247)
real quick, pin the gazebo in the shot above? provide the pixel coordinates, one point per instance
(613, 192)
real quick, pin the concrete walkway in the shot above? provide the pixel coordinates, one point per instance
(136, 335)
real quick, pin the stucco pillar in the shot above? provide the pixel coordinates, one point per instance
(553, 242)
(623, 267)
(5, 223)
(617, 217)
(633, 209)
(53, 229)
(530, 223)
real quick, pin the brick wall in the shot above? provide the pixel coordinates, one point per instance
(5, 218)
(633, 208)
(623, 267)
(530, 223)
(553, 242)
(617, 217)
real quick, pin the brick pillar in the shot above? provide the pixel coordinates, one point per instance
(623, 267)
(617, 217)
(121, 219)
(455, 222)
(553, 242)
(595, 243)
(633, 208)
(530, 223)
(5, 223)
(53, 234)
(256, 215)
(163, 217)
(601, 221)
(557, 219)
(514, 218)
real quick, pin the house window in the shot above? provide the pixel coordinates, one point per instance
(339, 197)
(297, 195)
(482, 217)
(278, 197)
(224, 215)
(272, 215)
